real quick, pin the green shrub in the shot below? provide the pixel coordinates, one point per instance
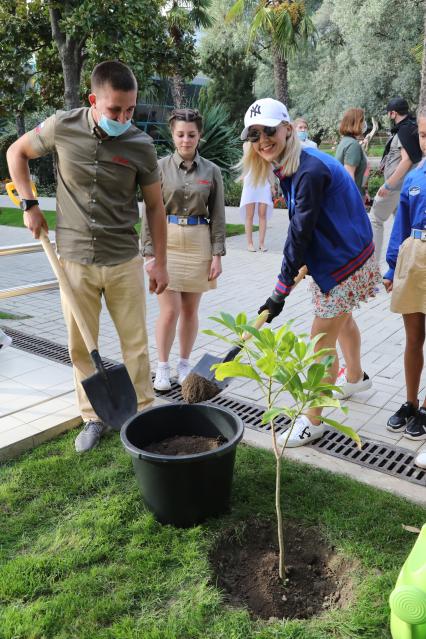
(220, 141)
(232, 191)
(375, 181)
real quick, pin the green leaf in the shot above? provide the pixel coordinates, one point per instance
(209, 331)
(235, 369)
(315, 374)
(267, 364)
(241, 319)
(300, 349)
(346, 430)
(272, 413)
(323, 401)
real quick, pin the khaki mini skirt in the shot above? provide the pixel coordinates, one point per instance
(409, 284)
(189, 258)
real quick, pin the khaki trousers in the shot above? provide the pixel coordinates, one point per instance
(123, 289)
(380, 212)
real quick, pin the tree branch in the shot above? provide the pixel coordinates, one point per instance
(58, 35)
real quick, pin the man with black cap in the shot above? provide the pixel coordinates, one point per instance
(402, 152)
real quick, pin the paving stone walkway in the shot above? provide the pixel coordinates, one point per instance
(247, 280)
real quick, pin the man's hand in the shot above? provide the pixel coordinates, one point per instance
(388, 284)
(382, 192)
(216, 268)
(35, 221)
(158, 276)
(274, 308)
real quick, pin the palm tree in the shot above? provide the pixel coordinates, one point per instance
(183, 17)
(283, 23)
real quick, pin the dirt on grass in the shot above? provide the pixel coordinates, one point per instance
(185, 445)
(246, 568)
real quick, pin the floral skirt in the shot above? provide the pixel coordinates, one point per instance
(345, 297)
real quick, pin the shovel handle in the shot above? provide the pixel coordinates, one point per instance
(64, 284)
(261, 319)
(303, 271)
(67, 291)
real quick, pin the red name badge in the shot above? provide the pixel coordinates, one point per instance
(120, 160)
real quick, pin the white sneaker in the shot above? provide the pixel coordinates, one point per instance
(350, 389)
(303, 432)
(420, 460)
(162, 378)
(183, 368)
(5, 340)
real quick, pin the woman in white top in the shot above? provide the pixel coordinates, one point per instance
(256, 208)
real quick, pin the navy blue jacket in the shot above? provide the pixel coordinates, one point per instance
(329, 228)
(411, 214)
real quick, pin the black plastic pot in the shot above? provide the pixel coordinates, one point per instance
(183, 490)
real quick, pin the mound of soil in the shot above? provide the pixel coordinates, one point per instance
(246, 568)
(185, 445)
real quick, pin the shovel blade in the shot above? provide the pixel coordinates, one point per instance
(202, 368)
(113, 399)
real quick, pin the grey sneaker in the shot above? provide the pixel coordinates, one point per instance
(90, 436)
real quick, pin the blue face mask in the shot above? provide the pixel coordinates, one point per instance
(112, 127)
(302, 135)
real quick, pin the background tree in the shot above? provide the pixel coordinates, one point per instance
(183, 18)
(364, 56)
(285, 26)
(225, 61)
(131, 30)
(422, 97)
(23, 32)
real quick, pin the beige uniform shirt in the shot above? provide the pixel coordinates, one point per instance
(195, 191)
(96, 204)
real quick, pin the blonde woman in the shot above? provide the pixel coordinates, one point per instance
(194, 201)
(329, 232)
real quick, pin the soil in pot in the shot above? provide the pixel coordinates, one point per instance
(185, 445)
(246, 568)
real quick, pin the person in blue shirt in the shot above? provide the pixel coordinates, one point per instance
(406, 279)
(329, 232)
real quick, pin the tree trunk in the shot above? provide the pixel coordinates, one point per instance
(177, 86)
(280, 77)
(72, 71)
(20, 124)
(422, 97)
(71, 55)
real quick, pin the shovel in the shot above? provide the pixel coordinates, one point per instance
(111, 391)
(203, 368)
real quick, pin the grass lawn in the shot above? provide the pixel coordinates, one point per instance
(9, 316)
(13, 217)
(81, 557)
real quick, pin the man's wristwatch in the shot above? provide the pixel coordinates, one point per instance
(27, 204)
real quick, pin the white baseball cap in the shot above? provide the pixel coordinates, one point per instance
(267, 112)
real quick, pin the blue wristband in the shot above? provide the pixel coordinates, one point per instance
(387, 187)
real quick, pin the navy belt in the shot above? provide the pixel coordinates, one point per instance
(186, 219)
(419, 234)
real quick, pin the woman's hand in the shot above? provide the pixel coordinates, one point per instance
(388, 284)
(215, 268)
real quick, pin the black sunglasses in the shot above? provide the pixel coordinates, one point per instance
(269, 131)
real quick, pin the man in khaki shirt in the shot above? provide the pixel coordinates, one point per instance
(101, 160)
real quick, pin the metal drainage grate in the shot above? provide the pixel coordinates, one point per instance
(391, 460)
(384, 458)
(44, 347)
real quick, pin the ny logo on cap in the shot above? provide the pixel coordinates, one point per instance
(255, 110)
